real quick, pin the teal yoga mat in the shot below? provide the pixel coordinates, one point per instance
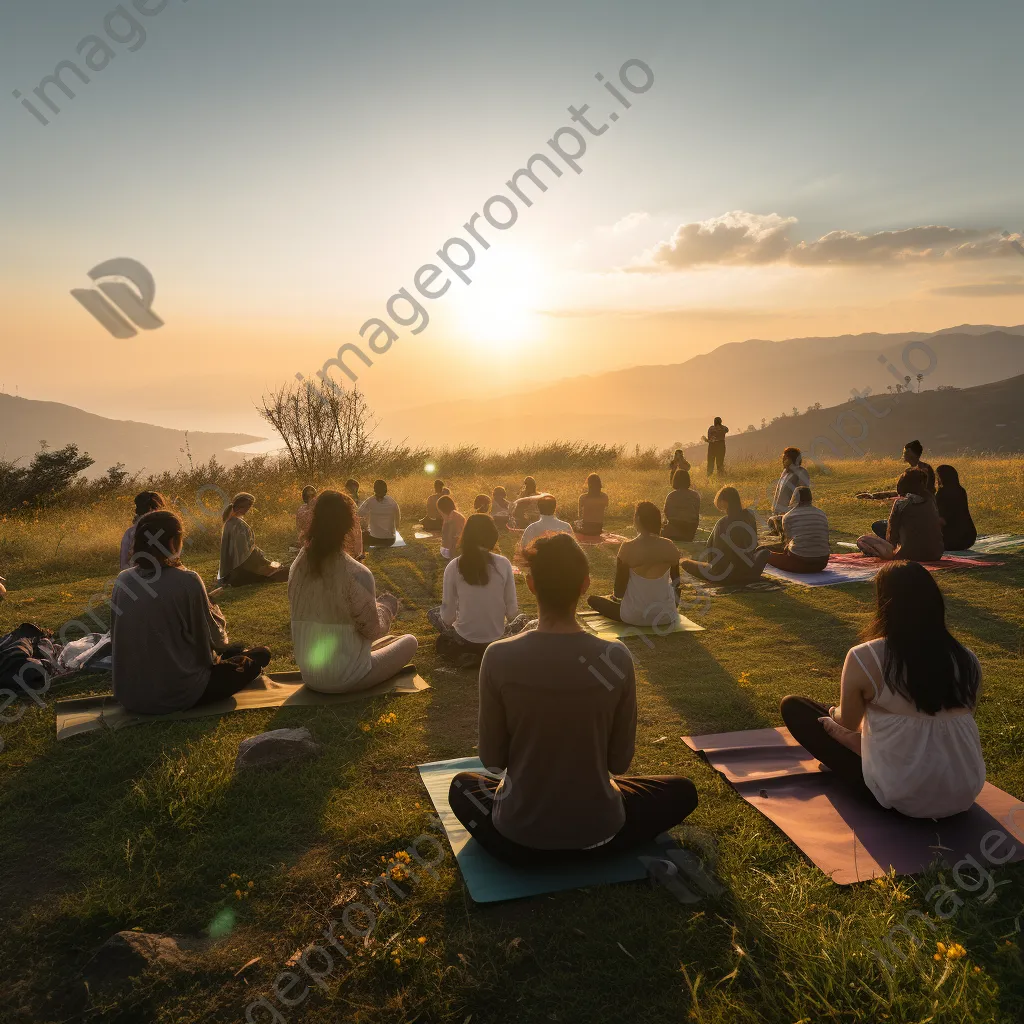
(490, 880)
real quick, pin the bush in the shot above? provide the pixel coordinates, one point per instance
(49, 475)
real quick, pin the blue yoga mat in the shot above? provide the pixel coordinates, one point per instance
(490, 880)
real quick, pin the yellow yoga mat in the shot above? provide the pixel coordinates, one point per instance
(285, 689)
(609, 629)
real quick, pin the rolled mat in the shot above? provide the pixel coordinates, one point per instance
(490, 880)
(849, 838)
(283, 689)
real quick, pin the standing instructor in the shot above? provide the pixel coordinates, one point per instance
(716, 445)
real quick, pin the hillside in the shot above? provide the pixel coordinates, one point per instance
(741, 381)
(140, 446)
(980, 419)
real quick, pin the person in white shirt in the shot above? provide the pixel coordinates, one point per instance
(793, 476)
(546, 524)
(904, 734)
(382, 517)
(478, 596)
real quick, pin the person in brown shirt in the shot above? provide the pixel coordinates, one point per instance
(558, 717)
(715, 438)
(914, 529)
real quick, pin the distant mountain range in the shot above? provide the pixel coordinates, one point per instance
(986, 418)
(140, 446)
(743, 382)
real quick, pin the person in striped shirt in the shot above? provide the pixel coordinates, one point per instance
(804, 546)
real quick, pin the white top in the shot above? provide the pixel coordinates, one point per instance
(478, 613)
(649, 602)
(546, 524)
(383, 516)
(924, 766)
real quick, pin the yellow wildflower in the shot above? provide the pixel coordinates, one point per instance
(422, 940)
(956, 952)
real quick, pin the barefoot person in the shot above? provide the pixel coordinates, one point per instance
(682, 508)
(336, 615)
(241, 561)
(733, 555)
(958, 530)
(381, 517)
(165, 632)
(478, 596)
(558, 717)
(593, 504)
(646, 576)
(903, 735)
(804, 528)
(146, 501)
(715, 439)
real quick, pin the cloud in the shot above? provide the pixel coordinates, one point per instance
(630, 221)
(739, 238)
(985, 289)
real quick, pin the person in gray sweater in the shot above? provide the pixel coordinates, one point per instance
(165, 631)
(558, 717)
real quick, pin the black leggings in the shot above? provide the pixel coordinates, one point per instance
(243, 577)
(801, 716)
(370, 541)
(230, 675)
(606, 606)
(653, 804)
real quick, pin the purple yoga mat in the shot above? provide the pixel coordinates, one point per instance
(848, 838)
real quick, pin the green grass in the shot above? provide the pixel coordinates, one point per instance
(143, 829)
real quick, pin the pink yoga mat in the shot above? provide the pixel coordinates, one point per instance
(848, 838)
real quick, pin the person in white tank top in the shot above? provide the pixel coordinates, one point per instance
(904, 733)
(646, 576)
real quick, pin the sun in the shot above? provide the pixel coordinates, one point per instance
(501, 305)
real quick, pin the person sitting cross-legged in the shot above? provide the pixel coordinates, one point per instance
(646, 576)
(146, 501)
(592, 506)
(166, 634)
(547, 523)
(336, 615)
(904, 734)
(733, 555)
(913, 531)
(682, 508)
(432, 520)
(478, 596)
(381, 516)
(241, 561)
(557, 715)
(804, 545)
(452, 524)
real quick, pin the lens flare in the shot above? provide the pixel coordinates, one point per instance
(430, 468)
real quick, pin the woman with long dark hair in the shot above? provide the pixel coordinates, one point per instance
(958, 530)
(478, 595)
(145, 501)
(165, 631)
(523, 510)
(336, 614)
(593, 504)
(904, 733)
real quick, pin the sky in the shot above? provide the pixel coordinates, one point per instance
(783, 169)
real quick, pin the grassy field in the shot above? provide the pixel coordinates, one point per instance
(150, 828)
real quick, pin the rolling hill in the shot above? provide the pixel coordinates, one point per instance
(140, 446)
(981, 419)
(741, 381)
